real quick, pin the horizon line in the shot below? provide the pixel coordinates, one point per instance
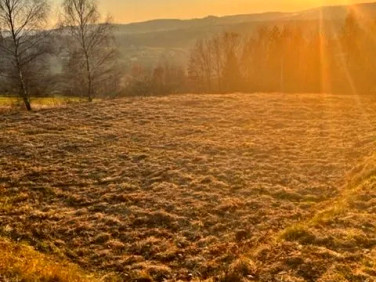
(242, 14)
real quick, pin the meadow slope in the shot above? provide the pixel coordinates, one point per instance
(184, 187)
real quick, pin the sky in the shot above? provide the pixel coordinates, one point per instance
(125, 11)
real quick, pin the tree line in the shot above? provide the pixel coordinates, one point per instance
(282, 58)
(287, 59)
(274, 59)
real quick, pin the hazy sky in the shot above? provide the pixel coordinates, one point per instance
(140, 10)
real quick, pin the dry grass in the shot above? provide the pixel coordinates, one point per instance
(339, 242)
(9, 104)
(21, 263)
(181, 187)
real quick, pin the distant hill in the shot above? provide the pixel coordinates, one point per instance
(148, 42)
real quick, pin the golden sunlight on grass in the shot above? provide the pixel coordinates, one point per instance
(341, 233)
(20, 262)
(193, 186)
(12, 103)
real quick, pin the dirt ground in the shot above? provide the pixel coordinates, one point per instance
(182, 187)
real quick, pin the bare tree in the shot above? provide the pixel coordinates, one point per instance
(200, 67)
(92, 52)
(232, 76)
(22, 41)
(216, 49)
(214, 63)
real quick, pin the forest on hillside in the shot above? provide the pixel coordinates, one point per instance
(278, 59)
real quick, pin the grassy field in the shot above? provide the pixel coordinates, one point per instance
(20, 262)
(8, 103)
(261, 187)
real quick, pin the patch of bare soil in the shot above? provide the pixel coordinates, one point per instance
(182, 187)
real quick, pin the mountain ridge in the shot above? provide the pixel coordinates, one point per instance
(331, 12)
(148, 42)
